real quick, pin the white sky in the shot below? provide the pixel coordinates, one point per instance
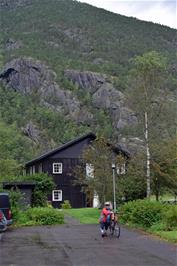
(159, 11)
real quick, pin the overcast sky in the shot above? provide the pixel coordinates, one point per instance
(160, 11)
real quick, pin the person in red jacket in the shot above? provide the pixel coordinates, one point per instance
(105, 218)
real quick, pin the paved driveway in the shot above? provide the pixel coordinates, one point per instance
(82, 245)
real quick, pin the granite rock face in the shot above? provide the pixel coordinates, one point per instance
(31, 77)
(31, 131)
(104, 96)
(87, 80)
(12, 44)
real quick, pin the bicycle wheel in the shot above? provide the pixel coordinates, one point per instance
(112, 229)
(117, 230)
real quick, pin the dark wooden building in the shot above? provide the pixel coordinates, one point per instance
(59, 163)
(26, 188)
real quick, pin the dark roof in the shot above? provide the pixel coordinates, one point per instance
(91, 135)
(119, 149)
(60, 148)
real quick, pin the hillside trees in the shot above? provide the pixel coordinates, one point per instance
(154, 108)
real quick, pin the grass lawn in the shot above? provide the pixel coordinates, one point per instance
(84, 215)
(164, 197)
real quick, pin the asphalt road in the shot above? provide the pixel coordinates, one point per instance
(82, 245)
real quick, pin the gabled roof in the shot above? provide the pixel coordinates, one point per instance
(60, 148)
(90, 135)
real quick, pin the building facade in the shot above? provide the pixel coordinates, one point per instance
(60, 164)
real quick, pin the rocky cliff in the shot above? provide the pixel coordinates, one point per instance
(31, 77)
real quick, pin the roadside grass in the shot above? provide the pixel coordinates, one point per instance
(168, 235)
(84, 215)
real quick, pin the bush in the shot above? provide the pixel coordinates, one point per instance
(44, 185)
(170, 218)
(144, 213)
(16, 199)
(66, 205)
(45, 216)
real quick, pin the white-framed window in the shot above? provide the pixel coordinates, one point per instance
(89, 170)
(57, 195)
(121, 170)
(57, 168)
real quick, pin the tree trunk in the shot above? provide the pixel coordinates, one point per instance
(157, 194)
(148, 180)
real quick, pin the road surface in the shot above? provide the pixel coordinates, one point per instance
(75, 244)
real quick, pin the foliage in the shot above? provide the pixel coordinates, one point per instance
(85, 215)
(142, 212)
(94, 174)
(66, 205)
(164, 171)
(44, 216)
(88, 33)
(149, 98)
(9, 167)
(15, 148)
(40, 216)
(16, 202)
(44, 185)
(75, 42)
(133, 185)
(170, 218)
(150, 214)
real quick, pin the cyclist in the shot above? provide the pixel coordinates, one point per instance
(105, 218)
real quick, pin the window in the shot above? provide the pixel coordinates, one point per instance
(89, 170)
(57, 168)
(57, 195)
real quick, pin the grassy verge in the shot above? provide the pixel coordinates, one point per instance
(84, 215)
(171, 236)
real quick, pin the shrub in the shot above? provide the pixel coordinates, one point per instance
(158, 227)
(16, 199)
(45, 216)
(44, 185)
(144, 213)
(170, 218)
(66, 205)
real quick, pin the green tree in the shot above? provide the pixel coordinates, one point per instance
(133, 185)
(147, 99)
(164, 168)
(95, 172)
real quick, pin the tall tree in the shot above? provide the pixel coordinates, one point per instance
(147, 98)
(95, 174)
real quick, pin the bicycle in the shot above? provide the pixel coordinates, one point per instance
(114, 226)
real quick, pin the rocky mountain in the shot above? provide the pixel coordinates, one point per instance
(65, 66)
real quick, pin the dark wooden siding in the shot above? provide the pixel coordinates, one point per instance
(70, 158)
(74, 151)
